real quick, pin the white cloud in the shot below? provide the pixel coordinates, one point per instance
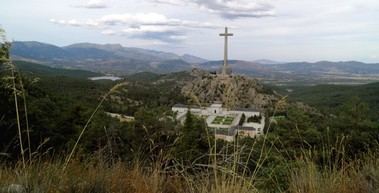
(178, 37)
(94, 4)
(140, 25)
(109, 32)
(76, 23)
(152, 19)
(172, 2)
(238, 8)
(230, 9)
(139, 18)
(145, 29)
(136, 20)
(160, 33)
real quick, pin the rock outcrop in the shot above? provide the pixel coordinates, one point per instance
(233, 91)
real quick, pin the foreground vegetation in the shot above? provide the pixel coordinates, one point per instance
(56, 137)
(98, 176)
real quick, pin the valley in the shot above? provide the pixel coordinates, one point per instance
(119, 60)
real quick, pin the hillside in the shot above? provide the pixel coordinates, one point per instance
(236, 91)
(327, 67)
(208, 88)
(243, 67)
(42, 70)
(332, 96)
(108, 58)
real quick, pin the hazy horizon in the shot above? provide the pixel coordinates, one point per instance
(213, 59)
(281, 31)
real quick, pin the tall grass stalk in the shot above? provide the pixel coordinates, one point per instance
(261, 159)
(114, 88)
(109, 144)
(26, 119)
(7, 62)
(13, 77)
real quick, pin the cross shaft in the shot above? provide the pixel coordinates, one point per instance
(226, 35)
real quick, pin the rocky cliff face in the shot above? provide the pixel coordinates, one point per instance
(233, 91)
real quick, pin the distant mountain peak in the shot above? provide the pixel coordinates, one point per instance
(112, 58)
(97, 46)
(266, 61)
(32, 44)
(193, 59)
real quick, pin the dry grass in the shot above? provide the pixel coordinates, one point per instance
(90, 177)
(96, 177)
(361, 176)
(119, 178)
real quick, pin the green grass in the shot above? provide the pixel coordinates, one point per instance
(218, 120)
(222, 120)
(229, 118)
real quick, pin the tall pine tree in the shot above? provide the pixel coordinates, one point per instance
(193, 139)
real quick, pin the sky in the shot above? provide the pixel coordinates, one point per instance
(280, 30)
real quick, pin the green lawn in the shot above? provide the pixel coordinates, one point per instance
(229, 119)
(221, 120)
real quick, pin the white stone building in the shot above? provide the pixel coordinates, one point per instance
(226, 123)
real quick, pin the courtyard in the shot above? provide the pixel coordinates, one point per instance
(223, 120)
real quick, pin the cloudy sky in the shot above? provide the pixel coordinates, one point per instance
(282, 30)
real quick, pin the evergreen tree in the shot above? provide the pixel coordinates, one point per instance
(192, 143)
(354, 112)
(242, 120)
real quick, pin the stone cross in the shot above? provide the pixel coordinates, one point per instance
(226, 35)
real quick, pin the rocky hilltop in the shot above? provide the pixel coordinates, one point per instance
(233, 91)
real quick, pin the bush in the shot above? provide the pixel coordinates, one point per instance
(255, 119)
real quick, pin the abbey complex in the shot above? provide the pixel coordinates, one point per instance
(227, 123)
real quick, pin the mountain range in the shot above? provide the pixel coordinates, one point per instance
(108, 58)
(117, 59)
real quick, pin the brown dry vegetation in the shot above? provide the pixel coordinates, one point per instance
(97, 177)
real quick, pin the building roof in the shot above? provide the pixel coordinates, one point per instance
(180, 105)
(194, 108)
(228, 132)
(246, 109)
(216, 106)
(247, 129)
(185, 106)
